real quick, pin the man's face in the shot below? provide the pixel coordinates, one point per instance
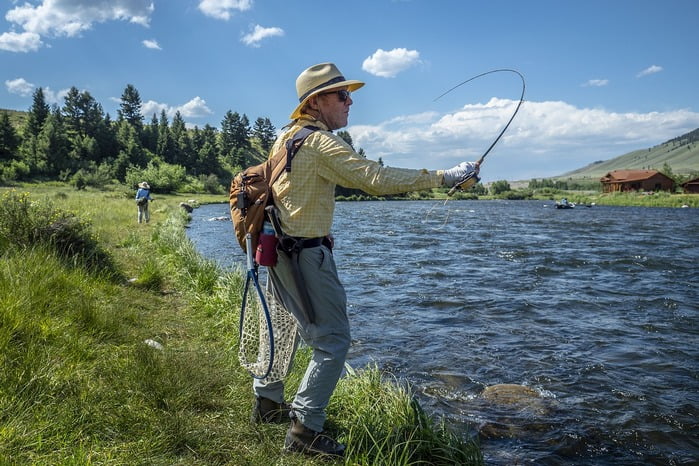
(334, 108)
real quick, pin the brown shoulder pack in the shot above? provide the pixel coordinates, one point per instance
(251, 189)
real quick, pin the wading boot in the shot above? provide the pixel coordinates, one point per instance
(301, 439)
(270, 412)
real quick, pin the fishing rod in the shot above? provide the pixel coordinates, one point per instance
(472, 178)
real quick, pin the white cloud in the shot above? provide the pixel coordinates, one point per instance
(151, 107)
(545, 138)
(20, 42)
(19, 86)
(56, 18)
(596, 83)
(53, 97)
(650, 70)
(258, 33)
(195, 108)
(388, 63)
(221, 9)
(151, 44)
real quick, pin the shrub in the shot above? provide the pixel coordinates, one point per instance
(204, 184)
(26, 224)
(465, 196)
(517, 195)
(162, 177)
(498, 187)
(96, 176)
(14, 170)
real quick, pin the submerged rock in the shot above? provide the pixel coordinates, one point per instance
(512, 394)
(517, 410)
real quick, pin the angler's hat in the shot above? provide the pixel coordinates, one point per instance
(143, 185)
(320, 78)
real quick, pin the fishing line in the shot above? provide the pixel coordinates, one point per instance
(521, 101)
(472, 178)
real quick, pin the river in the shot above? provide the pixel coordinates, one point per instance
(596, 309)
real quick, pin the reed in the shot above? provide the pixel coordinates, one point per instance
(139, 365)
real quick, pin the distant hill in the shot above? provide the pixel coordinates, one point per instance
(681, 154)
(18, 118)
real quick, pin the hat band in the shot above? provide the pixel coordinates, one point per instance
(325, 84)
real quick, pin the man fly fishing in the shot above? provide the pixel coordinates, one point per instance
(305, 201)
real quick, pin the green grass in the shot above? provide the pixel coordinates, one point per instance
(80, 385)
(636, 199)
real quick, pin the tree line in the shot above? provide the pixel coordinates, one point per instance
(80, 143)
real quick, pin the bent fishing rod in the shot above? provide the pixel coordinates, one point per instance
(472, 178)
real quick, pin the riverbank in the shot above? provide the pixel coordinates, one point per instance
(629, 199)
(118, 345)
(632, 199)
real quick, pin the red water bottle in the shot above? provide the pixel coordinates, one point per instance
(266, 253)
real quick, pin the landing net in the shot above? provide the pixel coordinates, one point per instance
(254, 350)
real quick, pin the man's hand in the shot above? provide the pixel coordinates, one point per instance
(454, 175)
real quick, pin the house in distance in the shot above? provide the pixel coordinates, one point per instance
(636, 180)
(691, 186)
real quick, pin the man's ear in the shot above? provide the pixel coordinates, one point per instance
(313, 103)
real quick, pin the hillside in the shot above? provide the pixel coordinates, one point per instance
(680, 153)
(17, 118)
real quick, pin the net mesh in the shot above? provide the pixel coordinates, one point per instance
(254, 349)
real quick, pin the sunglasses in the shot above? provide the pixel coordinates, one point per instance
(343, 94)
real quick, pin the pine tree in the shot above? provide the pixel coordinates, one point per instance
(235, 132)
(183, 154)
(107, 140)
(150, 135)
(227, 138)
(130, 108)
(53, 147)
(38, 113)
(131, 152)
(83, 114)
(165, 146)
(207, 155)
(9, 141)
(264, 132)
(243, 132)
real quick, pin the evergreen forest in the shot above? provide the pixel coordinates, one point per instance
(80, 144)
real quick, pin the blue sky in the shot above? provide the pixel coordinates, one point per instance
(604, 77)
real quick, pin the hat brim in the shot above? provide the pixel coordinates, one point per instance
(352, 85)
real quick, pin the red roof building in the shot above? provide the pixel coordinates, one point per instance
(636, 180)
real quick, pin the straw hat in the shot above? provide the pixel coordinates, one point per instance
(320, 78)
(143, 185)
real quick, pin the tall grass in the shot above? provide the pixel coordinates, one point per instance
(382, 423)
(84, 383)
(26, 222)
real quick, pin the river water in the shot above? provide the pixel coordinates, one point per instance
(596, 309)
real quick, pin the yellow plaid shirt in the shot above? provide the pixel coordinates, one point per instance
(306, 195)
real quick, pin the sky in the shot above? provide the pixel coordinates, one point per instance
(603, 77)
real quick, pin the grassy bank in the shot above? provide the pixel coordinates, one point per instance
(659, 199)
(118, 346)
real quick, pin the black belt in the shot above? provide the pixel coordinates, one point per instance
(310, 242)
